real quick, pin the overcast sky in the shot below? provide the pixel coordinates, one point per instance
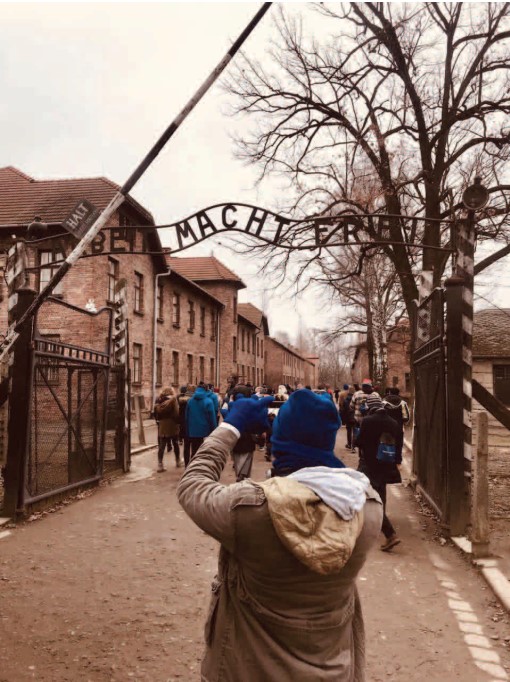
(87, 88)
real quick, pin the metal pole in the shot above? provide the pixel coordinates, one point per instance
(118, 199)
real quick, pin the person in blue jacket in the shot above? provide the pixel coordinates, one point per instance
(201, 417)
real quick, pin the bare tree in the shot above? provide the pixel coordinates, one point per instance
(411, 99)
(371, 303)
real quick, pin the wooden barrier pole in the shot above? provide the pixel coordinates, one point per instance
(139, 420)
(480, 501)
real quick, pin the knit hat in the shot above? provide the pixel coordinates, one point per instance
(373, 403)
(304, 432)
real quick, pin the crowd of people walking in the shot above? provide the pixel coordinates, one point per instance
(293, 544)
(373, 425)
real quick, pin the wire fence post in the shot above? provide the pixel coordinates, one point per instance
(480, 527)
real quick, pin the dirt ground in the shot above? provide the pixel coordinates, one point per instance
(114, 587)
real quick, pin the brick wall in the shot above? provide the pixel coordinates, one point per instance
(178, 340)
(226, 292)
(284, 366)
(249, 356)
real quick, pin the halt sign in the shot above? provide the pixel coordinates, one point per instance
(81, 218)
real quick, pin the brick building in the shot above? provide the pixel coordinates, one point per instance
(398, 349)
(185, 323)
(286, 365)
(253, 329)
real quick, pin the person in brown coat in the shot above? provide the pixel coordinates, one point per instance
(284, 604)
(166, 411)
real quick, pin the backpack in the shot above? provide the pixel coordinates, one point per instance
(346, 407)
(387, 450)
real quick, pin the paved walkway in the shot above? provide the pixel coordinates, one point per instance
(114, 587)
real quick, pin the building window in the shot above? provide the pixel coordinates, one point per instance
(258, 346)
(242, 377)
(234, 349)
(202, 320)
(176, 310)
(159, 302)
(234, 306)
(175, 367)
(159, 366)
(242, 339)
(46, 273)
(213, 325)
(137, 363)
(212, 377)
(502, 383)
(191, 316)
(138, 305)
(47, 366)
(253, 343)
(189, 368)
(113, 278)
(201, 366)
(261, 348)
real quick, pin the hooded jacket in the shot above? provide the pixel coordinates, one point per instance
(200, 414)
(167, 414)
(397, 409)
(284, 604)
(372, 429)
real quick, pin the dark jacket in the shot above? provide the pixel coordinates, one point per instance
(397, 409)
(246, 443)
(372, 428)
(200, 414)
(182, 401)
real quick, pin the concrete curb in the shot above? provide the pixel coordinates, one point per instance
(142, 448)
(490, 569)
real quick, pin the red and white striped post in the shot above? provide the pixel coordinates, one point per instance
(464, 269)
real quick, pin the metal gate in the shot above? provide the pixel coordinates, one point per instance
(69, 400)
(117, 453)
(430, 439)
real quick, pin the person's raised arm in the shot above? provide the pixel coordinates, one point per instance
(201, 495)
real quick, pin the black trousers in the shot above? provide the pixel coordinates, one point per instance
(191, 446)
(169, 442)
(387, 527)
(349, 434)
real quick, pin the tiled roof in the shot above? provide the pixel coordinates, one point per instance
(250, 313)
(290, 349)
(491, 333)
(204, 269)
(22, 198)
(196, 287)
